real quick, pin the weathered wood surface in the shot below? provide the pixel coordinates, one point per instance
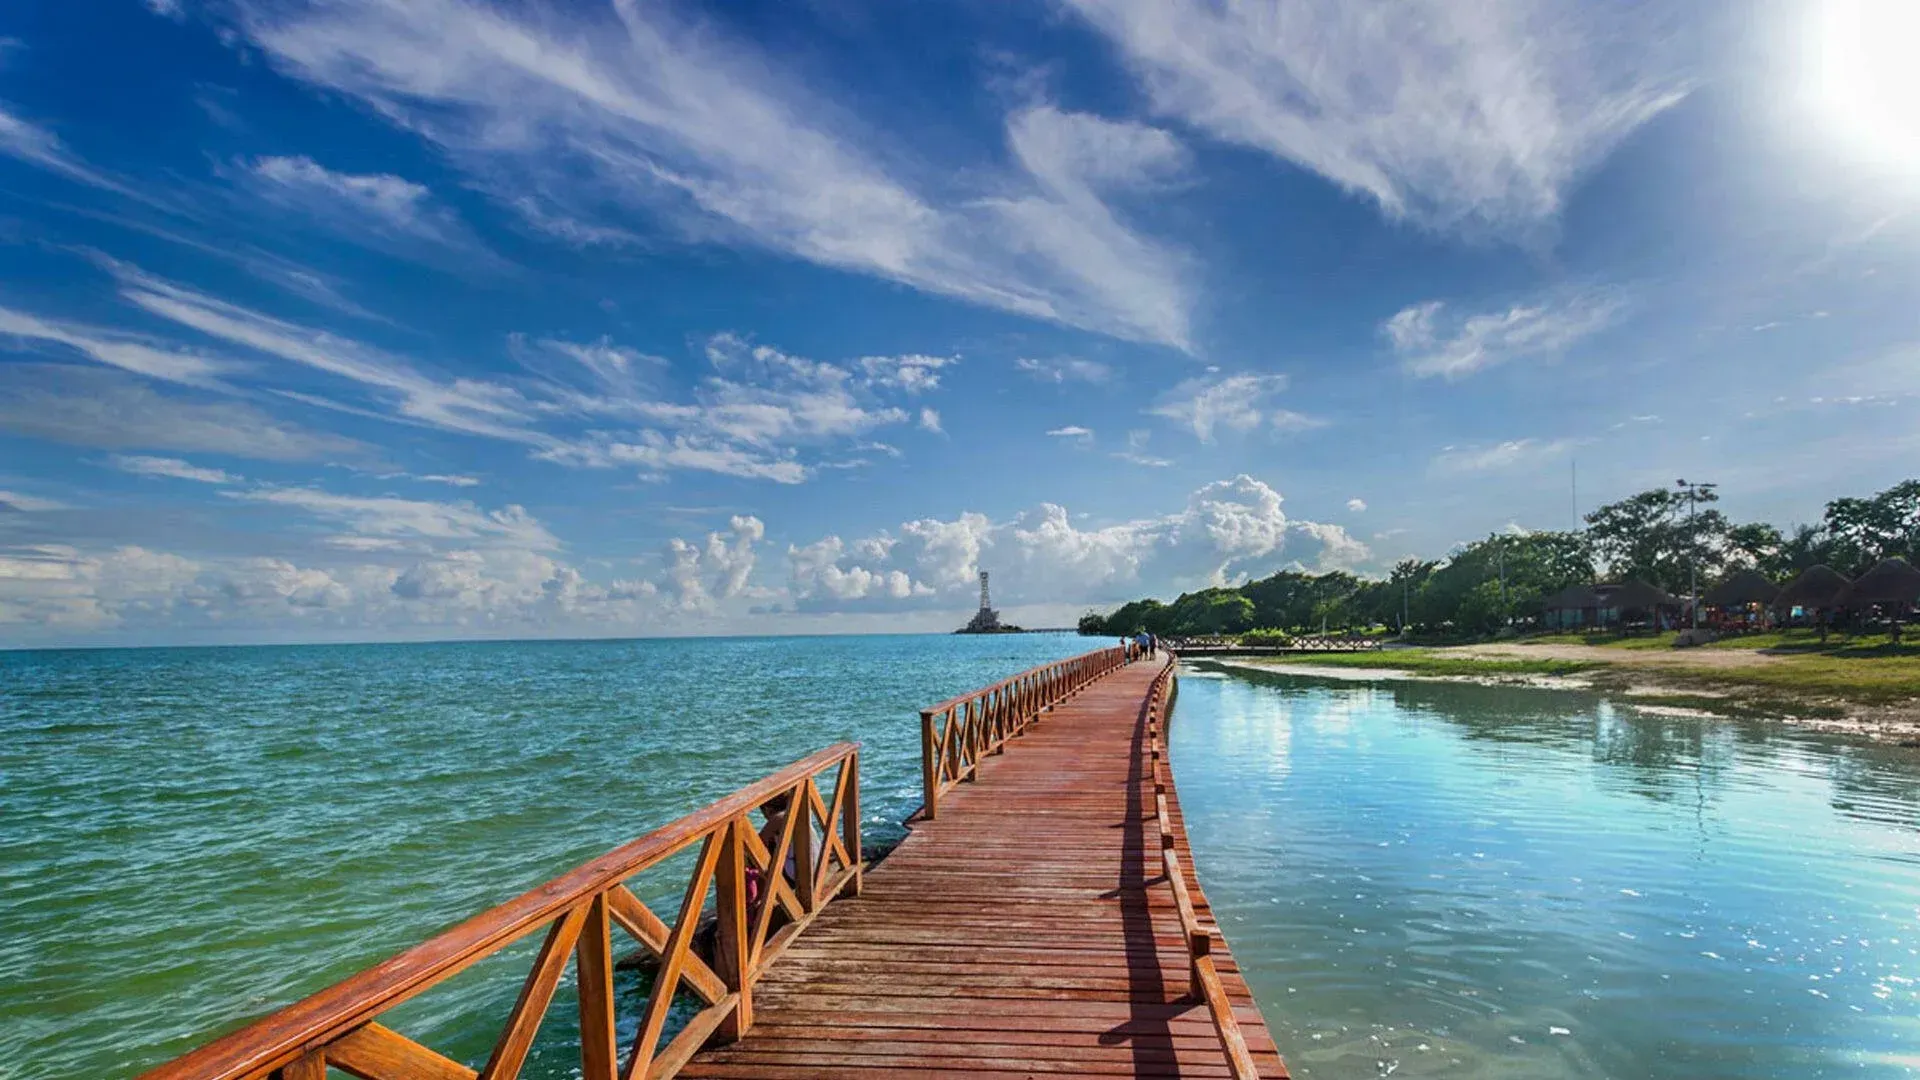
(1028, 930)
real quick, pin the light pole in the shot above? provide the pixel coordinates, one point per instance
(1694, 493)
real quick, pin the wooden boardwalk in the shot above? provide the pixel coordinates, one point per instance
(1040, 920)
(1026, 931)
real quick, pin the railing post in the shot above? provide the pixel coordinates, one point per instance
(850, 821)
(804, 864)
(593, 965)
(731, 945)
(929, 768)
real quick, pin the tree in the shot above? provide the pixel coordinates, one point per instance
(1864, 531)
(1755, 544)
(1648, 536)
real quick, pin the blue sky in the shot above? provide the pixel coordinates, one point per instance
(380, 319)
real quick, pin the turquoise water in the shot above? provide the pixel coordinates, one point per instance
(1442, 880)
(1420, 879)
(191, 837)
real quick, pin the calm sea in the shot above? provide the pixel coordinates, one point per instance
(190, 837)
(1420, 880)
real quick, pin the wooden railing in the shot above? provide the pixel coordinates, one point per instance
(956, 734)
(1205, 976)
(339, 1026)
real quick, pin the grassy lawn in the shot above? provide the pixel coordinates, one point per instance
(1866, 674)
(1443, 662)
(1866, 668)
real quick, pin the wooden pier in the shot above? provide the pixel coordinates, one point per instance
(1041, 918)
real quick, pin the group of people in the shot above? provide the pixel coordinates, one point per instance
(1144, 645)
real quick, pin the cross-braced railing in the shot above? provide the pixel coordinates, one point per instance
(1205, 976)
(956, 734)
(768, 883)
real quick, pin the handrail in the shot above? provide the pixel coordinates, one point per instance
(1199, 938)
(980, 722)
(337, 1026)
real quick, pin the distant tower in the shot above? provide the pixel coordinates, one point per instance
(986, 620)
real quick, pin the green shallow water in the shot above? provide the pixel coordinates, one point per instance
(1443, 880)
(191, 837)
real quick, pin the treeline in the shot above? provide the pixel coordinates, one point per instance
(1502, 580)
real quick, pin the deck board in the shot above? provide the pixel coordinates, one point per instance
(1024, 932)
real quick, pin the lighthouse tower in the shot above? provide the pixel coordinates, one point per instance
(986, 620)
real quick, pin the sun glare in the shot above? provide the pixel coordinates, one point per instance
(1866, 75)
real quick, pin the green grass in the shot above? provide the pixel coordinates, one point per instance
(1439, 662)
(1867, 668)
(1869, 675)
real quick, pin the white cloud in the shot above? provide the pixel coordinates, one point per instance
(1227, 531)
(25, 141)
(913, 373)
(658, 453)
(1358, 506)
(1511, 454)
(1135, 453)
(396, 518)
(167, 9)
(357, 205)
(84, 406)
(1065, 369)
(1073, 431)
(1207, 404)
(698, 577)
(140, 355)
(930, 421)
(1477, 114)
(588, 119)
(28, 504)
(172, 468)
(1430, 343)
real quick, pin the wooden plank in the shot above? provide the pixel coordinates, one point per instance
(1042, 924)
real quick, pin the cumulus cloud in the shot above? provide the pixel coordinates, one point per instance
(587, 117)
(1227, 531)
(930, 421)
(1358, 506)
(1074, 432)
(697, 577)
(1432, 342)
(1480, 115)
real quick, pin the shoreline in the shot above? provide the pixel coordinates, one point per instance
(1893, 724)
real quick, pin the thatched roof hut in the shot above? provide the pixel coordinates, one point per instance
(1818, 587)
(1741, 588)
(1635, 595)
(1891, 582)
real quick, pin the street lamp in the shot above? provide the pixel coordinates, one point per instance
(1695, 492)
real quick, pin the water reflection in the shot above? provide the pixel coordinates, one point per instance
(1441, 879)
